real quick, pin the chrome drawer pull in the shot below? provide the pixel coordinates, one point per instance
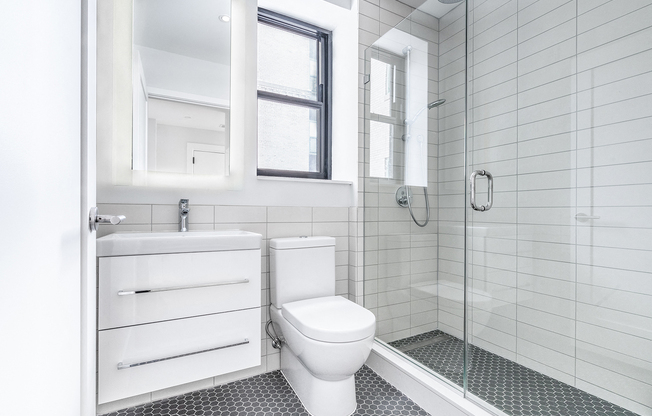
(122, 366)
(167, 289)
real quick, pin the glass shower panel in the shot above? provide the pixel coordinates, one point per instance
(613, 315)
(558, 269)
(401, 148)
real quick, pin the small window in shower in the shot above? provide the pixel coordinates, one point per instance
(382, 90)
(381, 149)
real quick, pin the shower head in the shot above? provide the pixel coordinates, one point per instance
(436, 103)
(449, 1)
(430, 106)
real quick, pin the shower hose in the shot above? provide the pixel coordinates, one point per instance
(425, 194)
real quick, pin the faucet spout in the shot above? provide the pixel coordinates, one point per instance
(184, 209)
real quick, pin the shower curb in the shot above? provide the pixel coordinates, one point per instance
(432, 394)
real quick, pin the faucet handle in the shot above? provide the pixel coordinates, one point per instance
(183, 206)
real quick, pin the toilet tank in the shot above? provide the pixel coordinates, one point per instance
(301, 268)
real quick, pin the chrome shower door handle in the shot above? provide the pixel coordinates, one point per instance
(490, 190)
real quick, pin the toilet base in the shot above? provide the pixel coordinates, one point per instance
(319, 397)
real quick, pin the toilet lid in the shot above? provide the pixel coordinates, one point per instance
(330, 318)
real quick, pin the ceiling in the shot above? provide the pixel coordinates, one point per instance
(186, 27)
(178, 114)
(436, 8)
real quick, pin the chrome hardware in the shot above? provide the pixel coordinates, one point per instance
(404, 199)
(95, 219)
(490, 190)
(167, 289)
(277, 343)
(402, 196)
(184, 209)
(581, 217)
(122, 366)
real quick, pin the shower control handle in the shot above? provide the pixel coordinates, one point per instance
(490, 190)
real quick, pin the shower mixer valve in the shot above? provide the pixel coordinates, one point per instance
(402, 197)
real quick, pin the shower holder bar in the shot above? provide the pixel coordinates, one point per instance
(122, 366)
(490, 190)
(167, 289)
(582, 216)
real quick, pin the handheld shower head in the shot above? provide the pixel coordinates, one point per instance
(436, 103)
(430, 106)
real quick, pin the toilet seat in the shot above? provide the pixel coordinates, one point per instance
(330, 319)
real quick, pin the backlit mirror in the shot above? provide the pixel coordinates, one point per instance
(181, 86)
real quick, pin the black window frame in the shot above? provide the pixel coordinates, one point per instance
(324, 94)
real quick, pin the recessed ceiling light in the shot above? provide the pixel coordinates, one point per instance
(225, 18)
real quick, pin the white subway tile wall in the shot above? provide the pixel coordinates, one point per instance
(400, 258)
(560, 114)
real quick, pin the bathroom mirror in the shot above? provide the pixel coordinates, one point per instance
(181, 77)
(164, 68)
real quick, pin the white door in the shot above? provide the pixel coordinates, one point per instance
(88, 199)
(205, 159)
(208, 163)
(45, 249)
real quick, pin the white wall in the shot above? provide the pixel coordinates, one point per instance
(40, 183)
(172, 145)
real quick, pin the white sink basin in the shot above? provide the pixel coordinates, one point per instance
(125, 244)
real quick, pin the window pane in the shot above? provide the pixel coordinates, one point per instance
(381, 157)
(287, 136)
(382, 78)
(287, 63)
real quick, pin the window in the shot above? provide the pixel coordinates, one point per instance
(386, 114)
(294, 96)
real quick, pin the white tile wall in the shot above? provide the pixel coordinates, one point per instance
(400, 258)
(559, 112)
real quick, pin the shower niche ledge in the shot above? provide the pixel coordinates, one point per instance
(175, 308)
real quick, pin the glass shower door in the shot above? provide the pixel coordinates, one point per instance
(403, 110)
(558, 269)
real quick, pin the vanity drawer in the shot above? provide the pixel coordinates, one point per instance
(148, 346)
(143, 289)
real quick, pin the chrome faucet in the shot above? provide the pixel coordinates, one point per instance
(184, 209)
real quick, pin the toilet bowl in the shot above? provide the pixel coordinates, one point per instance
(326, 338)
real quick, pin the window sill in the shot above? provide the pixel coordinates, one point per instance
(305, 180)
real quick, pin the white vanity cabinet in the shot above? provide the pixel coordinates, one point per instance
(172, 318)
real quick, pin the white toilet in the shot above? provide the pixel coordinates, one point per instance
(326, 338)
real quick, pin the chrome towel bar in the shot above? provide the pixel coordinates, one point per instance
(122, 366)
(167, 289)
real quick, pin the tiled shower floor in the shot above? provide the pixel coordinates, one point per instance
(270, 394)
(510, 387)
